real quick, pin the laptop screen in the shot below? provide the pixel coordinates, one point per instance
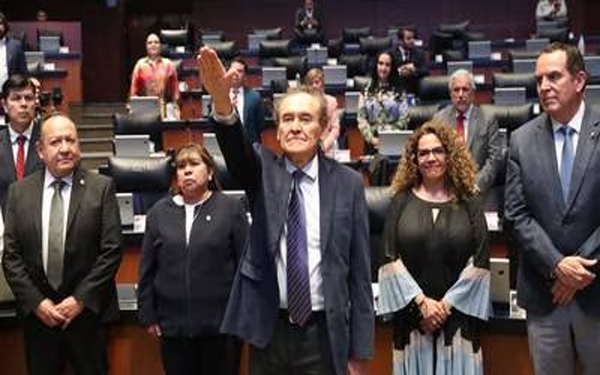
(392, 142)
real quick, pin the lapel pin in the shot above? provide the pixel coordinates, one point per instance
(82, 182)
(208, 218)
(593, 135)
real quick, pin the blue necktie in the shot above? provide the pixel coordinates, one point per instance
(298, 285)
(566, 159)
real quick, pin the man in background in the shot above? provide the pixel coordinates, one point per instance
(477, 129)
(412, 64)
(246, 100)
(12, 55)
(18, 157)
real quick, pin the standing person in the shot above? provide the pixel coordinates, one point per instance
(247, 101)
(412, 64)
(12, 53)
(316, 78)
(308, 23)
(551, 198)
(381, 106)
(475, 127)
(155, 75)
(191, 248)
(18, 156)
(435, 278)
(302, 296)
(62, 250)
(551, 10)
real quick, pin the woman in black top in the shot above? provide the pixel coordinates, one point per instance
(191, 248)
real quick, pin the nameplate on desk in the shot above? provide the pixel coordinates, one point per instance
(439, 58)
(64, 49)
(49, 66)
(180, 49)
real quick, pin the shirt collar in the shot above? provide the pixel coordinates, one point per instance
(14, 135)
(575, 121)
(49, 179)
(467, 113)
(311, 169)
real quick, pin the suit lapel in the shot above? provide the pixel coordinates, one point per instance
(282, 184)
(77, 192)
(585, 148)
(472, 126)
(9, 161)
(327, 190)
(32, 157)
(37, 195)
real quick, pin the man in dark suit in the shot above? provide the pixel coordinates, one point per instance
(477, 128)
(412, 64)
(307, 27)
(18, 157)
(14, 52)
(62, 251)
(302, 295)
(247, 101)
(552, 187)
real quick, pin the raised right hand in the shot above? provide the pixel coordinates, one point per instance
(215, 79)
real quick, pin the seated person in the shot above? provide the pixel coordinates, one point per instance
(382, 105)
(316, 79)
(412, 64)
(307, 25)
(550, 10)
(154, 75)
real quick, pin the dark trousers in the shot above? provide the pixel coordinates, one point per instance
(202, 355)
(295, 350)
(83, 344)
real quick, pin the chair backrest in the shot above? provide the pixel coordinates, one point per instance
(456, 29)
(509, 117)
(433, 89)
(373, 45)
(356, 64)
(526, 80)
(175, 38)
(361, 83)
(453, 66)
(225, 49)
(559, 34)
(140, 123)
(294, 65)
(141, 174)
(273, 33)
(351, 35)
(379, 200)
(274, 48)
(420, 114)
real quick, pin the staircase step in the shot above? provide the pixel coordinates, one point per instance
(101, 144)
(95, 131)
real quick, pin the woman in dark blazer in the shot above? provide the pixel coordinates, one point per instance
(191, 248)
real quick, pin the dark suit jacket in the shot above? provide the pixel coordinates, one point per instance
(301, 14)
(545, 227)
(410, 84)
(15, 56)
(254, 301)
(254, 115)
(483, 141)
(7, 161)
(92, 245)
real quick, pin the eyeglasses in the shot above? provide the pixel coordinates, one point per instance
(436, 151)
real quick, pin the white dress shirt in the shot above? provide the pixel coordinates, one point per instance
(239, 103)
(309, 185)
(46, 202)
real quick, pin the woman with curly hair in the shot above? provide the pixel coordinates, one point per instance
(382, 105)
(434, 280)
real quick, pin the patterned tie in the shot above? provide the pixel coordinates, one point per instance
(298, 285)
(460, 125)
(234, 96)
(566, 159)
(20, 163)
(56, 242)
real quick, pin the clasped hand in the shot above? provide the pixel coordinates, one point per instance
(572, 274)
(61, 314)
(434, 313)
